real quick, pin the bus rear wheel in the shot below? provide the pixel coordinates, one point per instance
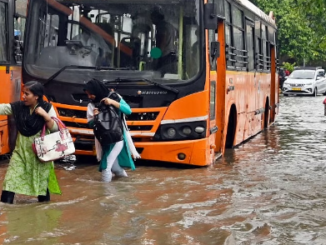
(266, 114)
(232, 124)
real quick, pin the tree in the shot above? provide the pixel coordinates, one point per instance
(301, 33)
(314, 11)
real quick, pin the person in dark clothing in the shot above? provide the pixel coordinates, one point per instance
(282, 75)
(114, 156)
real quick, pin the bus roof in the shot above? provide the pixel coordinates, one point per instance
(253, 8)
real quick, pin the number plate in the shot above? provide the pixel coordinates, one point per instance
(296, 89)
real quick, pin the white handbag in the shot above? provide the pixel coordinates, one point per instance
(54, 146)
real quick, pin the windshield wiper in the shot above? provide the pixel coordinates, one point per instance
(168, 88)
(99, 68)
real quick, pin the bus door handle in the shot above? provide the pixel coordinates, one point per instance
(213, 130)
(229, 89)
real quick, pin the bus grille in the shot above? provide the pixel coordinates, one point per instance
(150, 116)
(131, 128)
(142, 123)
(71, 113)
(76, 125)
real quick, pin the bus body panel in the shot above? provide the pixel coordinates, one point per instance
(249, 97)
(191, 107)
(10, 84)
(10, 70)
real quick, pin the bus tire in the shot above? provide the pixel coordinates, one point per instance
(232, 124)
(266, 114)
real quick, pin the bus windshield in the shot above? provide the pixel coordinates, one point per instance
(158, 39)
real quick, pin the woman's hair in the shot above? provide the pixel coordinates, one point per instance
(97, 88)
(36, 88)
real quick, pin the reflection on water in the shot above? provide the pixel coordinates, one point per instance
(270, 190)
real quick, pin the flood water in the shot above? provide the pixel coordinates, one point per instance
(271, 190)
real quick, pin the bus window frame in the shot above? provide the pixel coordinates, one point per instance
(230, 51)
(267, 51)
(249, 23)
(212, 98)
(7, 32)
(198, 78)
(262, 45)
(263, 52)
(212, 37)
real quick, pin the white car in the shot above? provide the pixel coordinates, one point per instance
(305, 81)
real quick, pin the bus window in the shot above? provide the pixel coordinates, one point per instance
(19, 26)
(259, 56)
(51, 34)
(21, 6)
(158, 40)
(238, 37)
(236, 55)
(212, 101)
(20, 20)
(267, 50)
(250, 46)
(19, 32)
(228, 37)
(3, 31)
(212, 37)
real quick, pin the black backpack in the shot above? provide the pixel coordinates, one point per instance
(108, 124)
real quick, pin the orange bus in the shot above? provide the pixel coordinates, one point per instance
(199, 75)
(11, 30)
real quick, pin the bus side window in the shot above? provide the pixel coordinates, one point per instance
(236, 54)
(212, 37)
(250, 46)
(239, 52)
(259, 64)
(212, 100)
(266, 48)
(3, 35)
(228, 37)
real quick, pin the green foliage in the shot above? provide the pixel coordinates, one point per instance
(301, 28)
(288, 66)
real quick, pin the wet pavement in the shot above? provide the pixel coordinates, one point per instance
(271, 190)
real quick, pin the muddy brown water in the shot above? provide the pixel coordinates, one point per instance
(271, 190)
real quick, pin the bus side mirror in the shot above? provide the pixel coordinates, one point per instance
(215, 50)
(210, 17)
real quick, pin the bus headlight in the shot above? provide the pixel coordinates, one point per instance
(199, 130)
(181, 131)
(171, 133)
(186, 130)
